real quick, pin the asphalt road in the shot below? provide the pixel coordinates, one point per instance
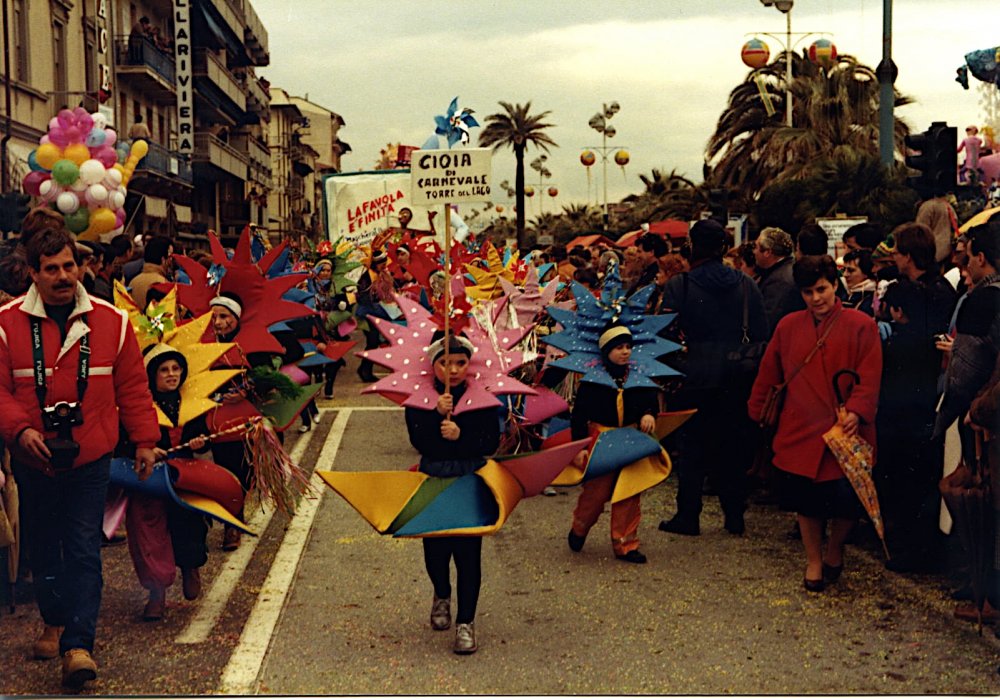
(324, 605)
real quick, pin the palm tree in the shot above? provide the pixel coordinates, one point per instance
(516, 128)
(834, 109)
(667, 196)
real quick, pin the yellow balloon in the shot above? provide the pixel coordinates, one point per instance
(47, 155)
(76, 152)
(127, 175)
(101, 220)
(139, 150)
(89, 235)
(119, 167)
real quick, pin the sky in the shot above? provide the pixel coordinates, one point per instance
(388, 67)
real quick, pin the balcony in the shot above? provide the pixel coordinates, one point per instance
(259, 154)
(218, 157)
(217, 86)
(163, 173)
(146, 67)
(254, 34)
(296, 188)
(258, 99)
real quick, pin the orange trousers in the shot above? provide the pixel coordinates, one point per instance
(624, 514)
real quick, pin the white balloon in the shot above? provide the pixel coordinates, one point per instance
(100, 121)
(79, 185)
(112, 178)
(92, 171)
(67, 202)
(45, 189)
(116, 200)
(98, 194)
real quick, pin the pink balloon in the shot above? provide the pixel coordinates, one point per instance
(106, 155)
(58, 137)
(110, 137)
(84, 122)
(119, 217)
(44, 139)
(54, 123)
(33, 180)
(73, 134)
(66, 118)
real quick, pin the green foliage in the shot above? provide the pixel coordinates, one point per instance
(270, 384)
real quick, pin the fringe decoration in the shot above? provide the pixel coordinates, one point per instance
(275, 477)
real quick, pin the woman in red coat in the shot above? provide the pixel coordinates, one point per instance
(812, 483)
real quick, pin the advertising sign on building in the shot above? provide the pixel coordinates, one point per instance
(361, 205)
(185, 93)
(451, 177)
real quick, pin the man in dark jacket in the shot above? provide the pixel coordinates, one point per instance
(773, 258)
(651, 248)
(712, 301)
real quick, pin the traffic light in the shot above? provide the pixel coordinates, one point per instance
(14, 206)
(935, 158)
(718, 205)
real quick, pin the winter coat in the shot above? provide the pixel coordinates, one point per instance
(479, 437)
(117, 389)
(142, 284)
(709, 304)
(598, 403)
(781, 295)
(810, 405)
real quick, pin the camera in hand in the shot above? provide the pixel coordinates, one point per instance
(62, 417)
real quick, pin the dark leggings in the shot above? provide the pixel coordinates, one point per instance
(467, 551)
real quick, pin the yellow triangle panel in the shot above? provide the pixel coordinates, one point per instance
(377, 496)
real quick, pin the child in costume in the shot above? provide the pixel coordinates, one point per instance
(614, 407)
(162, 534)
(453, 446)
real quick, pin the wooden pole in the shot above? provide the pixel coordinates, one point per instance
(447, 295)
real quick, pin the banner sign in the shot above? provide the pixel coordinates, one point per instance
(450, 177)
(185, 93)
(835, 229)
(361, 205)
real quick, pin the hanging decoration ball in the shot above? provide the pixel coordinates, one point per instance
(553, 191)
(823, 53)
(755, 53)
(588, 158)
(529, 191)
(621, 158)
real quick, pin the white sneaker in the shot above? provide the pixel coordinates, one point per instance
(549, 491)
(465, 638)
(441, 614)
(304, 428)
(316, 418)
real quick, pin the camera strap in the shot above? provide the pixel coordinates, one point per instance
(38, 362)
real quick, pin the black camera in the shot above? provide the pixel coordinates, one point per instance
(62, 416)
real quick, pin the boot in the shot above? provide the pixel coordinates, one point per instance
(78, 668)
(365, 371)
(155, 606)
(465, 638)
(231, 540)
(47, 646)
(191, 583)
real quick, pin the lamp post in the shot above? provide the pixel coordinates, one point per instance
(538, 165)
(599, 123)
(785, 7)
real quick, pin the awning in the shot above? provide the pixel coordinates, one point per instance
(183, 213)
(224, 38)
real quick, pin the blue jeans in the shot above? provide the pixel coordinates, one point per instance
(62, 517)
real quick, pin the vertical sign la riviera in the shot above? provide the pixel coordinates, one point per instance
(185, 95)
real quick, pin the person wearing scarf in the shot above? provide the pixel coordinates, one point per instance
(613, 407)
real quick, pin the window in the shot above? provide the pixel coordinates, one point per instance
(59, 78)
(21, 34)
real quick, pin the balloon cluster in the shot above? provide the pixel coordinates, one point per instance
(81, 170)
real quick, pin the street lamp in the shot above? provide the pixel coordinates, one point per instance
(538, 165)
(599, 123)
(785, 7)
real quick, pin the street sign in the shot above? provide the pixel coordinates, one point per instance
(450, 177)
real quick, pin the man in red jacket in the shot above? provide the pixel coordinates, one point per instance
(70, 369)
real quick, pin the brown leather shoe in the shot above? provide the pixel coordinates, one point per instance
(231, 540)
(78, 668)
(970, 613)
(191, 580)
(47, 645)
(156, 606)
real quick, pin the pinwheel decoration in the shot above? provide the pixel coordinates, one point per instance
(454, 126)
